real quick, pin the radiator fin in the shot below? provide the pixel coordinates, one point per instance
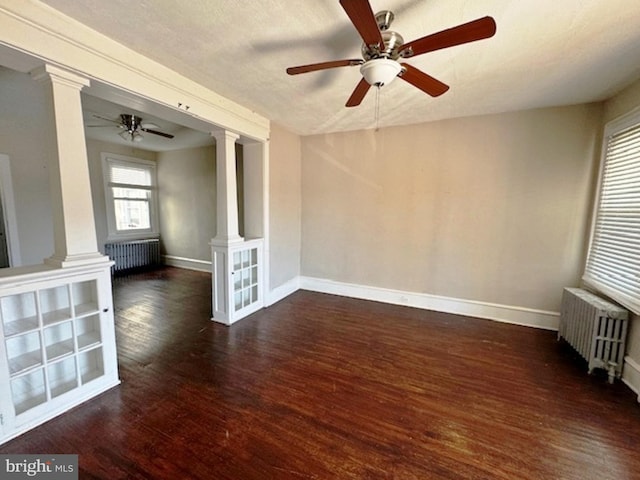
(133, 254)
(595, 328)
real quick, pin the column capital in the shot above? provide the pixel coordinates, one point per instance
(224, 135)
(52, 73)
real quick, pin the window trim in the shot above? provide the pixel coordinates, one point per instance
(613, 127)
(113, 234)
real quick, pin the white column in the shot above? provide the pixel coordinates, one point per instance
(73, 221)
(226, 189)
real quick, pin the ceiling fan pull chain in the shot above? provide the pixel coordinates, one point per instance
(377, 114)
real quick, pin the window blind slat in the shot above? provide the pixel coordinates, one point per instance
(129, 176)
(613, 262)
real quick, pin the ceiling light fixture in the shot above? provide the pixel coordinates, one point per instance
(133, 136)
(380, 71)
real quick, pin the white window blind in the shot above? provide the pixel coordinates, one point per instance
(613, 263)
(129, 175)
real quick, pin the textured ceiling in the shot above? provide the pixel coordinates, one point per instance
(545, 53)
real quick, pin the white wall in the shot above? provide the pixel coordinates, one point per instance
(493, 209)
(23, 128)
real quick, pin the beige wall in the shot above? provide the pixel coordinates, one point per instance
(186, 181)
(625, 102)
(284, 205)
(491, 208)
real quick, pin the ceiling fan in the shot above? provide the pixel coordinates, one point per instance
(131, 126)
(382, 49)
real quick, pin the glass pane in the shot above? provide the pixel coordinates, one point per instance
(132, 214)
(58, 340)
(62, 376)
(19, 313)
(54, 303)
(246, 297)
(24, 352)
(237, 263)
(91, 365)
(28, 391)
(88, 331)
(85, 297)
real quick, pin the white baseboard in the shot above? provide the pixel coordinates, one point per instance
(631, 375)
(187, 263)
(502, 313)
(282, 291)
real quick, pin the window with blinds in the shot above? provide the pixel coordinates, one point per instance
(130, 196)
(613, 262)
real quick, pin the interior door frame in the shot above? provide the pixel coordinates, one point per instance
(9, 209)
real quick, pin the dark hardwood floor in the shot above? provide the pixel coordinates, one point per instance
(324, 387)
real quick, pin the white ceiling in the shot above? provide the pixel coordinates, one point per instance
(545, 53)
(96, 110)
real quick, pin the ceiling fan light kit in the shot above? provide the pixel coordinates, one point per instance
(382, 48)
(134, 136)
(380, 71)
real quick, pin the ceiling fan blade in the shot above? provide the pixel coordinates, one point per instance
(421, 80)
(156, 132)
(479, 29)
(92, 126)
(323, 66)
(107, 119)
(362, 17)
(358, 94)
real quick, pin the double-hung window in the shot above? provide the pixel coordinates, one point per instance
(613, 262)
(130, 192)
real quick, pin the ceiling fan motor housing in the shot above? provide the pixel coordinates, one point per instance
(130, 122)
(393, 42)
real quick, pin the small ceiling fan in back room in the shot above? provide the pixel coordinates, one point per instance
(383, 49)
(131, 126)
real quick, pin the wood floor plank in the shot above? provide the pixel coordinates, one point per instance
(324, 387)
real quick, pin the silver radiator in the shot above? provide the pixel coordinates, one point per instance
(595, 328)
(134, 254)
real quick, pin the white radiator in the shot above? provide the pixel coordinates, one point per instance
(134, 254)
(595, 328)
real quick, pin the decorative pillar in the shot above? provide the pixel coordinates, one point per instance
(75, 241)
(226, 189)
(236, 263)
